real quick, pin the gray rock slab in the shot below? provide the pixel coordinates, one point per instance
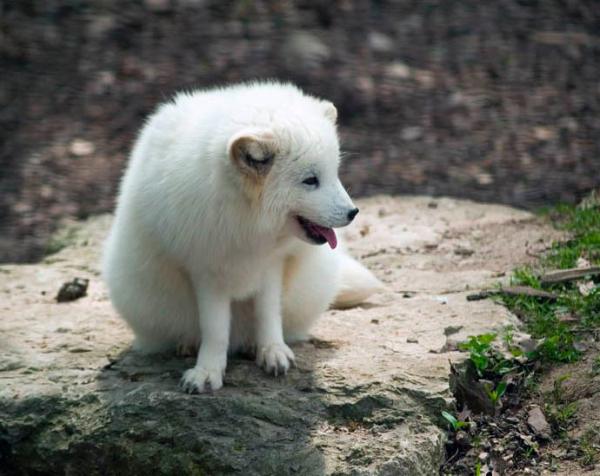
(365, 397)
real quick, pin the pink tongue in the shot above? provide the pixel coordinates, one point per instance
(328, 234)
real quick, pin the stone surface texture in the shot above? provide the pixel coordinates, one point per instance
(365, 397)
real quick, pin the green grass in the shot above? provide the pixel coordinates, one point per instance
(584, 225)
(542, 318)
(66, 236)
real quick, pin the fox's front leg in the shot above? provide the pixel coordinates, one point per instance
(214, 312)
(272, 353)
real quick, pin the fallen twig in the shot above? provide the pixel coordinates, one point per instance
(481, 295)
(563, 275)
(514, 291)
(528, 291)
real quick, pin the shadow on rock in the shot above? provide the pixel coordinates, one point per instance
(131, 418)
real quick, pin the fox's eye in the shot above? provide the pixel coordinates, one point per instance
(313, 181)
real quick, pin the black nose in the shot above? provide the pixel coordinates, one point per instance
(352, 214)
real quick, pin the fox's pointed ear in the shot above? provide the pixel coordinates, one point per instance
(253, 151)
(329, 111)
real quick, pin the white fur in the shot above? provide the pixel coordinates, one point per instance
(195, 251)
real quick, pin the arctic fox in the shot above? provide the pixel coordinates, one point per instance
(226, 195)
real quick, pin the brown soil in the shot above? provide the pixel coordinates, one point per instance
(496, 102)
(578, 452)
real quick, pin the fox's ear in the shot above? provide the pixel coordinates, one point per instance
(253, 152)
(329, 111)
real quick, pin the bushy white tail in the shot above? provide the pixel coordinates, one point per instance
(357, 283)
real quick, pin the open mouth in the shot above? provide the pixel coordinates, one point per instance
(318, 234)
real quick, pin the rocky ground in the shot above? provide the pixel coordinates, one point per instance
(365, 398)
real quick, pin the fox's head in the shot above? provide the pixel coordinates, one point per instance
(289, 169)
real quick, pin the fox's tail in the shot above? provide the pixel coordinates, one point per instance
(357, 283)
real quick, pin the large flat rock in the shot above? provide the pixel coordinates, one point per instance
(365, 397)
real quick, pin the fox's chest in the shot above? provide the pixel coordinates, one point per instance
(243, 278)
(239, 269)
(242, 275)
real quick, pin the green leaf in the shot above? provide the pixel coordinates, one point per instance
(516, 352)
(501, 389)
(480, 361)
(486, 338)
(451, 419)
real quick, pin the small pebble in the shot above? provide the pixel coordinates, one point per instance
(72, 290)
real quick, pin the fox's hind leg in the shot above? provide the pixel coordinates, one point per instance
(150, 293)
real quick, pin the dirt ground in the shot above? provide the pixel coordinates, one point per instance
(495, 101)
(578, 385)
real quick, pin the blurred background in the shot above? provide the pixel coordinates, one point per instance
(490, 100)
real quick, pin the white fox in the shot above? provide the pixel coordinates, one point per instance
(226, 194)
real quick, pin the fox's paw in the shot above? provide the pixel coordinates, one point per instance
(274, 358)
(200, 379)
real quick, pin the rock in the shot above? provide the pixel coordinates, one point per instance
(463, 251)
(462, 439)
(580, 346)
(542, 133)
(80, 147)
(397, 70)
(158, 6)
(306, 49)
(537, 422)
(380, 43)
(450, 330)
(100, 25)
(586, 287)
(484, 178)
(525, 342)
(411, 133)
(76, 399)
(72, 290)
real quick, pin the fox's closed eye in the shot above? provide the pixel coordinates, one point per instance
(314, 181)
